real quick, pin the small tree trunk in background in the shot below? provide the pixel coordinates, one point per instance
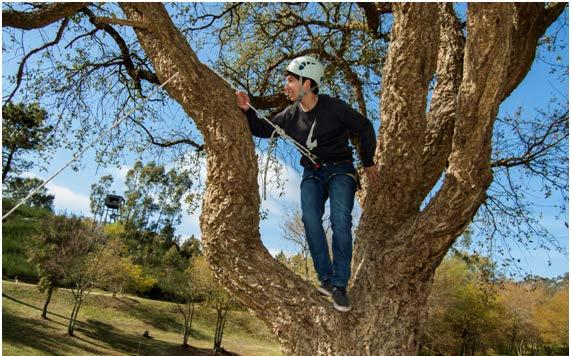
(220, 323)
(188, 323)
(48, 298)
(74, 313)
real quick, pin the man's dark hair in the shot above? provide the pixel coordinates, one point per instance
(303, 79)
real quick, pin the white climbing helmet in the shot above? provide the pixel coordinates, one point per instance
(307, 67)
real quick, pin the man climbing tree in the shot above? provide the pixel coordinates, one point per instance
(323, 126)
(471, 66)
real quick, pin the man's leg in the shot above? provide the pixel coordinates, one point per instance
(313, 197)
(342, 196)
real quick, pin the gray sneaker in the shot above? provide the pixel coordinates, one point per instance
(326, 288)
(340, 299)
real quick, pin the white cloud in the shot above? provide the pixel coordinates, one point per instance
(65, 198)
(68, 200)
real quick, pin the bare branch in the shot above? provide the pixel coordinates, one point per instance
(136, 74)
(90, 33)
(42, 17)
(164, 143)
(539, 146)
(213, 18)
(27, 56)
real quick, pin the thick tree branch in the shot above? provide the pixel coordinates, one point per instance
(551, 13)
(468, 176)
(531, 20)
(121, 22)
(440, 119)
(409, 67)
(231, 180)
(373, 12)
(270, 101)
(42, 17)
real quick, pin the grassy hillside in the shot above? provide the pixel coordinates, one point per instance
(114, 326)
(16, 232)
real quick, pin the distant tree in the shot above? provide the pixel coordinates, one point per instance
(119, 272)
(293, 231)
(463, 311)
(18, 188)
(154, 197)
(72, 249)
(97, 196)
(86, 272)
(187, 289)
(552, 318)
(51, 254)
(519, 301)
(191, 247)
(216, 297)
(24, 129)
(47, 285)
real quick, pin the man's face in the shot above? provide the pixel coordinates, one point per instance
(292, 87)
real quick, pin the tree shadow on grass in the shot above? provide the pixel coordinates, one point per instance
(137, 344)
(156, 318)
(38, 334)
(47, 335)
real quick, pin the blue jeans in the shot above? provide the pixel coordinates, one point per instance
(336, 183)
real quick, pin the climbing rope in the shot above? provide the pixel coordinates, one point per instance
(273, 141)
(80, 153)
(303, 150)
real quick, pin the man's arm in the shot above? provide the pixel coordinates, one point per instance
(258, 127)
(360, 125)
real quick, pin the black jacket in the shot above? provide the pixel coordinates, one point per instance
(334, 122)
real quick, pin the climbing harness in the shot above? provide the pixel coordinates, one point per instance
(80, 153)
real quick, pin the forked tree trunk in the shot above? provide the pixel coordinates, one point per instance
(187, 322)
(399, 245)
(73, 317)
(48, 299)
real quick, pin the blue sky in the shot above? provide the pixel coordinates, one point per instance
(72, 188)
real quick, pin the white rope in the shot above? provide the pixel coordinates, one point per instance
(303, 150)
(270, 149)
(80, 153)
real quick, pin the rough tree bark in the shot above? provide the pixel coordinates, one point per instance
(398, 244)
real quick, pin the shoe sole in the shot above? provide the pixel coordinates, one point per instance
(324, 292)
(341, 308)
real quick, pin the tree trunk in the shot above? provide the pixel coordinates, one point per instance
(48, 298)
(398, 244)
(75, 311)
(188, 323)
(220, 323)
(8, 165)
(70, 326)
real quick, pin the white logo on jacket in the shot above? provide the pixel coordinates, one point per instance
(311, 144)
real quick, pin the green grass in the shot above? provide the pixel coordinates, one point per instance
(114, 326)
(16, 233)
